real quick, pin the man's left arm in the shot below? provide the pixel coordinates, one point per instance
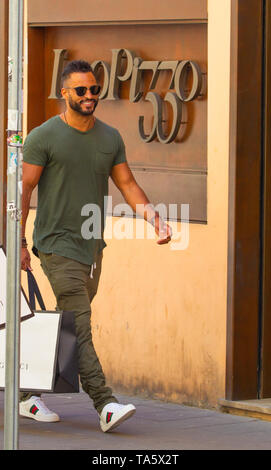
(134, 195)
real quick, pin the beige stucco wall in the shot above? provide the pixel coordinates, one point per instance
(159, 318)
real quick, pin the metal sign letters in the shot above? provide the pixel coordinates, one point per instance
(125, 65)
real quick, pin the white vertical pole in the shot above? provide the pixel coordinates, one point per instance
(14, 166)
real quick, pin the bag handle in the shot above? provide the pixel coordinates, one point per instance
(33, 291)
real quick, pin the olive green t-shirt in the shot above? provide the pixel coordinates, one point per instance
(71, 205)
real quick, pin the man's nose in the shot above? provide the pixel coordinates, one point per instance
(89, 94)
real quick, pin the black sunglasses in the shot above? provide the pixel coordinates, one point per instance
(81, 90)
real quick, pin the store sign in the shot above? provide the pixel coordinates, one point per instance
(125, 65)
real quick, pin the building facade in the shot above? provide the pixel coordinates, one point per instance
(187, 84)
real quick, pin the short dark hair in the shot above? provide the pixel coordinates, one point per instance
(76, 66)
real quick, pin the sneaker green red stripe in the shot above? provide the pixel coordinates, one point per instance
(114, 414)
(109, 417)
(34, 409)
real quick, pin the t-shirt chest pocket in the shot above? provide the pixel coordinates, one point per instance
(103, 160)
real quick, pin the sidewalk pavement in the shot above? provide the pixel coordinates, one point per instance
(155, 425)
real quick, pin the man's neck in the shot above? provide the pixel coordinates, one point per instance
(76, 120)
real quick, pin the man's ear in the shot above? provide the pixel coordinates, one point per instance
(63, 92)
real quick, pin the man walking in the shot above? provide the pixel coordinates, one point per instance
(71, 157)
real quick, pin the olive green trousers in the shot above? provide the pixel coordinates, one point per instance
(75, 285)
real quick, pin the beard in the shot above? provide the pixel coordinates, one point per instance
(77, 107)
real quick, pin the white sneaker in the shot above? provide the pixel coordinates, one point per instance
(36, 409)
(113, 414)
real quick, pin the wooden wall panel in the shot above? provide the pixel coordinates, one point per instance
(265, 372)
(36, 78)
(167, 42)
(90, 11)
(244, 200)
(182, 163)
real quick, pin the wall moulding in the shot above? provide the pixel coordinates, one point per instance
(118, 23)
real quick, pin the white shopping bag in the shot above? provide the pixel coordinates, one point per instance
(26, 311)
(38, 352)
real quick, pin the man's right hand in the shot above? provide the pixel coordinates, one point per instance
(26, 260)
